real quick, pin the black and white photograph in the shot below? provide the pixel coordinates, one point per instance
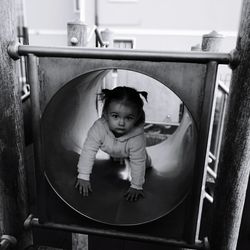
(124, 125)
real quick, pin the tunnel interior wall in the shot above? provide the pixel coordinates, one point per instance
(186, 80)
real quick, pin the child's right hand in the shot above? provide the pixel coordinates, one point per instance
(83, 186)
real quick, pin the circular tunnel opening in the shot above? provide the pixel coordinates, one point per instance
(170, 135)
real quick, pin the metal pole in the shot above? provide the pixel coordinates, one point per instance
(234, 168)
(202, 152)
(33, 222)
(36, 115)
(16, 50)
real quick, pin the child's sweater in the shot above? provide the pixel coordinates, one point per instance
(131, 146)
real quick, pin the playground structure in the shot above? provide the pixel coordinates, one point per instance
(65, 123)
(33, 222)
(62, 108)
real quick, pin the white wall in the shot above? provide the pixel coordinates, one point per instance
(171, 25)
(47, 20)
(155, 24)
(169, 14)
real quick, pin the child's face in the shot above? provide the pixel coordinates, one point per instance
(121, 118)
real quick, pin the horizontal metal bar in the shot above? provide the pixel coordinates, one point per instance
(17, 50)
(163, 123)
(33, 222)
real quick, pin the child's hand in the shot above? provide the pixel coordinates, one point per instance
(83, 186)
(134, 194)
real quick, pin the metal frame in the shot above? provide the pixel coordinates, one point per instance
(33, 222)
(16, 50)
(36, 115)
(211, 59)
(207, 133)
(212, 172)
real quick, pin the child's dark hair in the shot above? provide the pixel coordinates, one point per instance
(126, 95)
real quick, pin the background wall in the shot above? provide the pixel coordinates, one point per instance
(151, 24)
(159, 25)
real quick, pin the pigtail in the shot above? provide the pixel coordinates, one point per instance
(105, 94)
(144, 94)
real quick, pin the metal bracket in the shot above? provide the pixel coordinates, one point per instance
(235, 59)
(13, 50)
(28, 222)
(6, 241)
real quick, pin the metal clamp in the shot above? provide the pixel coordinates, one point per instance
(235, 59)
(6, 241)
(13, 50)
(25, 91)
(34, 222)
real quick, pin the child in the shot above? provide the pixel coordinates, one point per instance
(120, 133)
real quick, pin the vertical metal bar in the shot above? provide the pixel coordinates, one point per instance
(36, 115)
(210, 132)
(203, 146)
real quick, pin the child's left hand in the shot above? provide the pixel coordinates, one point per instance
(134, 194)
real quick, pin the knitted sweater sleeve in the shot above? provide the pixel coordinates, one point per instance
(89, 150)
(137, 159)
